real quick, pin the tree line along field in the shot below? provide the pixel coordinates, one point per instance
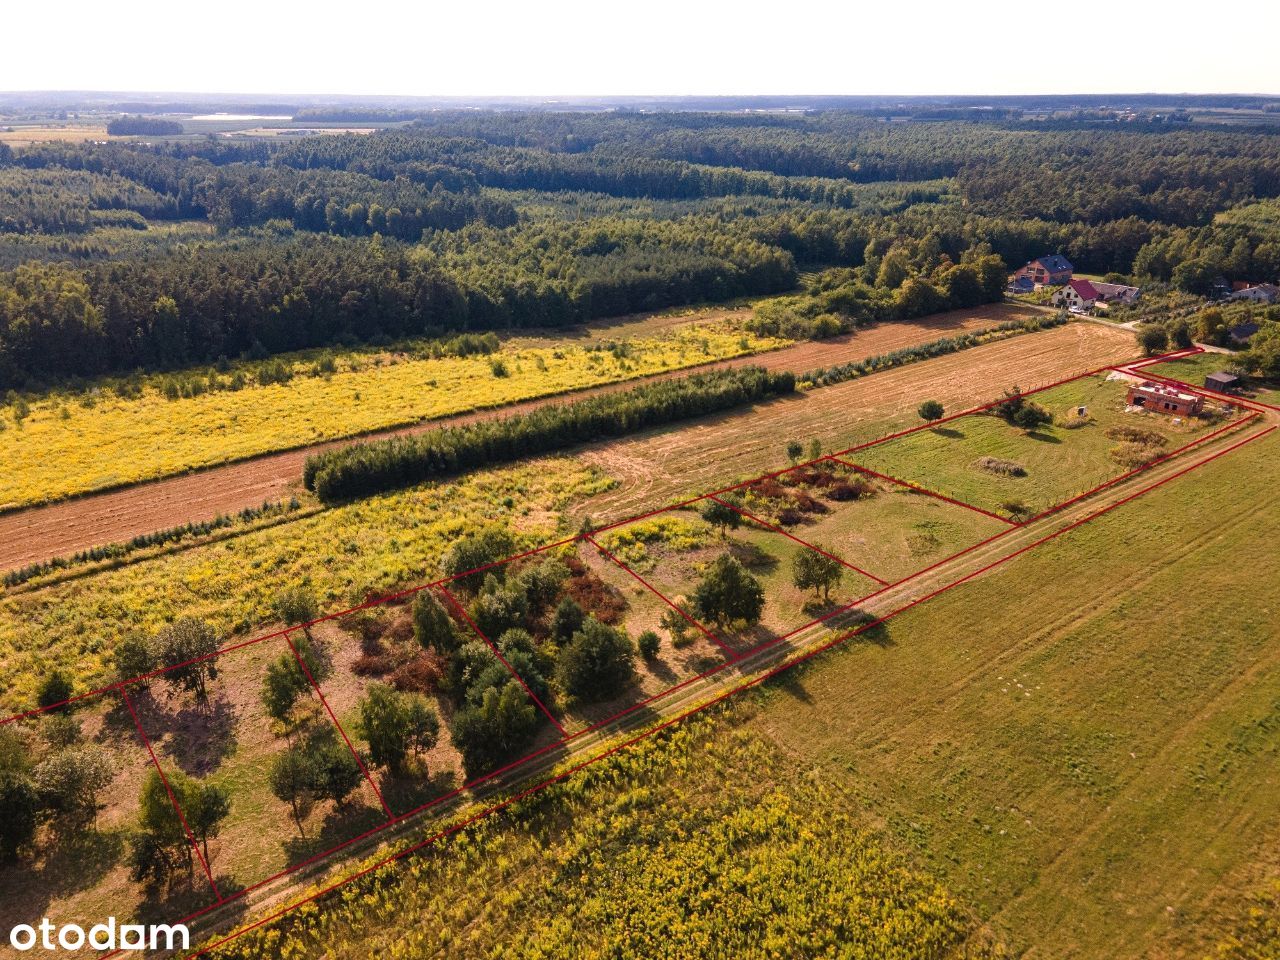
(380, 543)
(1081, 791)
(492, 657)
(105, 438)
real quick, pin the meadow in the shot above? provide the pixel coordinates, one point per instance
(700, 841)
(1082, 743)
(65, 445)
(983, 461)
(342, 555)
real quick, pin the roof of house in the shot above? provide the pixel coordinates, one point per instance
(1161, 390)
(1243, 331)
(1084, 289)
(1023, 283)
(1113, 291)
(1054, 263)
(1223, 377)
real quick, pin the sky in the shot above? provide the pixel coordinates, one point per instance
(649, 47)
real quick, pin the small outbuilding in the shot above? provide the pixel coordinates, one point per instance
(1222, 381)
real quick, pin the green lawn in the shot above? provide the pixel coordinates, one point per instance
(896, 531)
(1059, 462)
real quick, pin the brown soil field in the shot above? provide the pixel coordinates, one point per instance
(61, 529)
(673, 464)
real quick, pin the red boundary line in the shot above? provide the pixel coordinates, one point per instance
(332, 716)
(191, 837)
(919, 489)
(804, 543)
(410, 591)
(709, 634)
(498, 653)
(747, 684)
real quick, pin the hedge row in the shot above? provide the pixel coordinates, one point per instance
(368, 468)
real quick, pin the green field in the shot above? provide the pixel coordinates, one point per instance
(1085, 742)
(1060, 461)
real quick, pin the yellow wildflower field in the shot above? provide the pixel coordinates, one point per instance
(342, 555)
(64, 447)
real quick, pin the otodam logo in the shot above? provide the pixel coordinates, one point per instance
(108, 935)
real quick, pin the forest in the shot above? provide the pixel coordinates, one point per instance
(155, 254)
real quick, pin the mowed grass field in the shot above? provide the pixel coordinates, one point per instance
(66, 447)
(1059, 461)
(1083, 743)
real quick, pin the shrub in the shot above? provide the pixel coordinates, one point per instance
(1003, 468)
(432, 625)
(648, 643)
(728, 594)
(930, 410)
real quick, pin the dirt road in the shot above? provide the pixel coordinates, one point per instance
(62, 529)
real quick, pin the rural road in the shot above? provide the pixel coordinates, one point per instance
(407, 834)
(61, 529)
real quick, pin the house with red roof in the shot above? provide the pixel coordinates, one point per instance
(1078, 295)
(1081, 295)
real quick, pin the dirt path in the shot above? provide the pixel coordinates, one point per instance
(62, 529)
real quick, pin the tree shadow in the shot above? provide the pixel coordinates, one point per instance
(659, 668)
(72, 862)
(184, 895)
(753, 557)
(409, 793)
(1043, 437)
(340, 824)
(201, 736)
(951, 433)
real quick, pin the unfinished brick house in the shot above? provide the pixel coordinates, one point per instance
(1163, 399)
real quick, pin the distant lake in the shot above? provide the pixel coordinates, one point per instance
(238, 116)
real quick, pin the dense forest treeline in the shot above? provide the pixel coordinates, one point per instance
(376, 466)
(476, 221)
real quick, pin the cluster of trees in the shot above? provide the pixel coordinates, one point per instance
(182, 307)
(1017, 411)
(64, 788)
(1140, 203)
(234, 188)
(139, 126)
(541, 634)
(894, 286)
(365, 468)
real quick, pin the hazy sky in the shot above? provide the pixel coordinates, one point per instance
(484, 47)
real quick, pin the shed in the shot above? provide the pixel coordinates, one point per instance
(1222, 381)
